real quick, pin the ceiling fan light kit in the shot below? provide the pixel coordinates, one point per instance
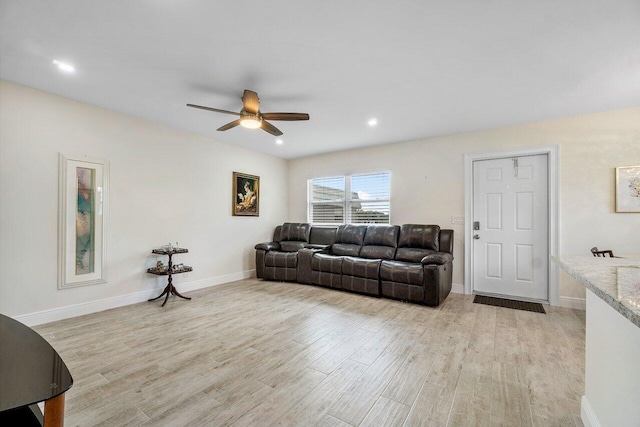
(251, 122)
(251, 117)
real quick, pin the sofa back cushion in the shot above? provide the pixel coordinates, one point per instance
(349, 240)
(322, 235)
(276, 234)
(295, 231)
(293, 236)
(446, 241)
(380, 242)
(417, 241)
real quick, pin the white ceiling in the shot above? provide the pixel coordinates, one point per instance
(423, 68)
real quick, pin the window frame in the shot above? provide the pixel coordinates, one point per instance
(345, 201)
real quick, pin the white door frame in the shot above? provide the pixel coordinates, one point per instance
(552, 157)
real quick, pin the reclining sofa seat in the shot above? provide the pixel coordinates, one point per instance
(422, 268)
(362, 274)
(278, 260)
(326, 268)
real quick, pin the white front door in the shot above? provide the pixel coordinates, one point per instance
(510, 214)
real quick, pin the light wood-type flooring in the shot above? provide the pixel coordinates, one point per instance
(266, 353)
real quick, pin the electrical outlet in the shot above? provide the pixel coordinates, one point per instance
(457, 219)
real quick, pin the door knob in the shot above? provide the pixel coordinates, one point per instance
(475, 236)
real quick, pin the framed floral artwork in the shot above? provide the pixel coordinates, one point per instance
(246, 194)
(82, 221)
(628, 189)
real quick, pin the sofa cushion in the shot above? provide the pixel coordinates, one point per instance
(351, 234)
(281, 259)
(322, 235)
(361, 285)
(289, 246)
(380, 242)
(322, 278)
(402, 291)
(360, 267)
(326, 263)
(280, 274)
(401, 272)
(295, 231)
(413, 254)
(382, 235)
(377, 252)
(349, 239)
(419, 236)
(344, 249)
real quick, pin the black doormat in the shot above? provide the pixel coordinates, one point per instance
(536, 307)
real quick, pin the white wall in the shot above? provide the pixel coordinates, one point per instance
(611, 390)
(166, 186)
(428, 180)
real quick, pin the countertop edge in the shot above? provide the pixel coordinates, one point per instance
(611, 301)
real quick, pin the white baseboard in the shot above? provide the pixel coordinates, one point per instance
(572, 302)
(457, 288)
(217, 280)
(589, 418)
(59, 313)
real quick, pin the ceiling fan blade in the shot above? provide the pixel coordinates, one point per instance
(230, 125)
(285, 116)
(250, 102)
(213, 109)
(271, 128)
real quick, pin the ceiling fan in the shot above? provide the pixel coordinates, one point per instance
(252, 118)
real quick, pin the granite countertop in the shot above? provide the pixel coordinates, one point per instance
(615, 280)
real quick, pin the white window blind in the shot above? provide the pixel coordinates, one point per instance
(327, 201)
(370, 199)
(357, 199)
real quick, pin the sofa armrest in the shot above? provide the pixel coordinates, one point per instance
(304, 264)
(268, 246)
(438, 258)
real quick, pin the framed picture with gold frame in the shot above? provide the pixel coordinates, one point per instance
(246, 194)
(628, 189)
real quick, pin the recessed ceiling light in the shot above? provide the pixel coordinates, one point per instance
(372, 121)
(279, 141)
(64, 66)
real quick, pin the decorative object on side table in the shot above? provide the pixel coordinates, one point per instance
(246, 194)
(628, 189)
(169, 270)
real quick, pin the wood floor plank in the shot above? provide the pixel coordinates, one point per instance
(386, 412)
(329, 421)
(267, 353)
(431, 407)
(408, 380)
(312, 408)
(354, 405)
(282, 399)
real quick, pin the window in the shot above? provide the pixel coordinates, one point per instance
(358, 199)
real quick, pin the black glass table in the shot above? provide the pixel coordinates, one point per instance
(31, 371)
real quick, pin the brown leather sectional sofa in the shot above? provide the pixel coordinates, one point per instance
(412, 262)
